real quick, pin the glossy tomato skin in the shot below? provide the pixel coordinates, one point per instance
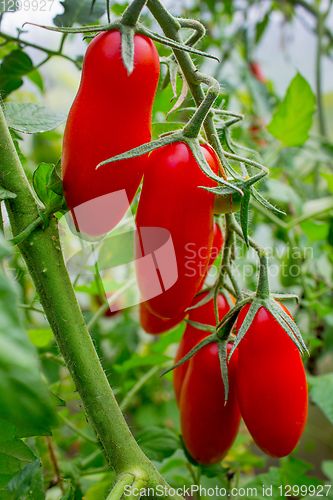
(111, 114)
(174, 227)
(153, 324)
(192, 336)
(271, 385)
(208, 426)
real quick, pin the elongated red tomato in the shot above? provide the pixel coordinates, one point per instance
(192, 336)
(111, 114)
(155, 325)
(175, 228)
(271, 385)
(209, 427)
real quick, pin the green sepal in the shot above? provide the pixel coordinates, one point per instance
(127, 47)
(83, 29)
(171, 43)
(224, 330)
(244, 215)
(285, 296)
(203, 301)
(265, 203)
(220, 190)
(223, 356)
(202, 162)
(144, 148)
(255, 306)
(5, 194)
(171, 75)
(236, 308)
(207, 340)
(201, 326)
(287, 323)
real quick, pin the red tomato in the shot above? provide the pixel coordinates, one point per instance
(175, 228)
(271, 385)
(155, 325)
(209, 427)
(111, 114)
(192, 336)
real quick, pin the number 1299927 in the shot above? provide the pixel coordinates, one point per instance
(305, 490)
(26, 5)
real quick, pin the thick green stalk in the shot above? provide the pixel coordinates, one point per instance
(42, 253)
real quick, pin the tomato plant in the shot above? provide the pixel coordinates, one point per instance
(171, 200)
(271, 385)
(111, 113)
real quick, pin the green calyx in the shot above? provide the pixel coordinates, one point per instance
(278, 313)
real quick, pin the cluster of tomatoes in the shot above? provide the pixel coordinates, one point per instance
(175, 236)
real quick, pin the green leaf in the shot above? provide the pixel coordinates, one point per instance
(294, 472)
(13, 67)
(32, 118)
(158, 443)
(293, 119)
(14, 454)
(41, 179)
(23, 395)
(37, 79)
(260, 28)
(41, 337)
(21, 483)
(36, 491)
(321, 393)
(79, 11)
(315, 231)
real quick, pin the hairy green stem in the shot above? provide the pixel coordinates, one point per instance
(42, 254)
(132, 13)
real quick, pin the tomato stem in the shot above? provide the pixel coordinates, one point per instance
(132, 13)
